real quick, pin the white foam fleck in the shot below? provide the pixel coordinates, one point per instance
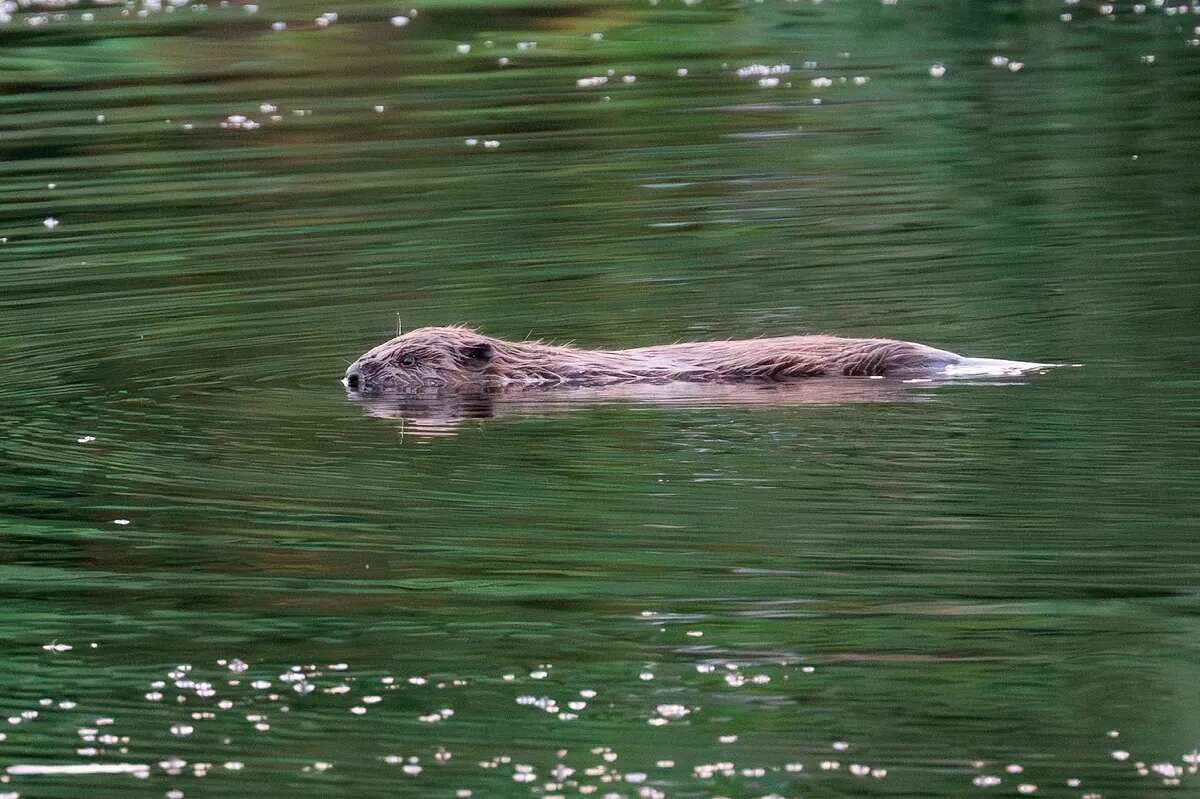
(78, 768)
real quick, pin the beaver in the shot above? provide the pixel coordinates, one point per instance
(457, 358)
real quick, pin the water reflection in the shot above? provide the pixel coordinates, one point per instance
(441, 413)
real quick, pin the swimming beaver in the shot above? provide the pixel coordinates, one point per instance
(459, 357)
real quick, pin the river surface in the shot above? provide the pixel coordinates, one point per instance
(222, 576)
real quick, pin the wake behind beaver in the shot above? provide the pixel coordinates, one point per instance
(461, 358)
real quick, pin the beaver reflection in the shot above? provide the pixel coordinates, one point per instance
(441, 413)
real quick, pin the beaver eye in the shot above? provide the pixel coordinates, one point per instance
(408, 360)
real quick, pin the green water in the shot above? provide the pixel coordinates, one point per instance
(924, 584)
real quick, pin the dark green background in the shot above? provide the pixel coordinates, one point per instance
(1000, 573)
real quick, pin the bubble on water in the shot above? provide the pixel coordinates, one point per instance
(54, 646)
(237, 665)
(937, 70)
(538, 675)
(462, 49)
(1027, 788)
(682, 72)
(182, 730)
(491, 144)
(840, 746)
(727, 739)
(861, 80)
(278, 26)
(50, 223)
(1014, 768)
(672, 711)
(759, 70)
(174, 793)
(587, 83)
(400, 20)
(986, 781)
(629, 78)
(821, 82)
(999, 61)
(1120, 755)
(646, 676)
(1016, 66)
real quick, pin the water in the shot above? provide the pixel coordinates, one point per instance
(823, 590)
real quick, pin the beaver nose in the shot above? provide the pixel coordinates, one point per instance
(353, 381)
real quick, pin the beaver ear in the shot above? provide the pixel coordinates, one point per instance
(475, 356)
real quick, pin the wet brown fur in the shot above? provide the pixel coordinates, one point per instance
(450, 357)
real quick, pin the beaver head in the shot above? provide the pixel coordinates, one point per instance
(430, 357)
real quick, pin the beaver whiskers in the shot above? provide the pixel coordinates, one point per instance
(456, 357)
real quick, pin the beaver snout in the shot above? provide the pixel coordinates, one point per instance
(354, 380)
